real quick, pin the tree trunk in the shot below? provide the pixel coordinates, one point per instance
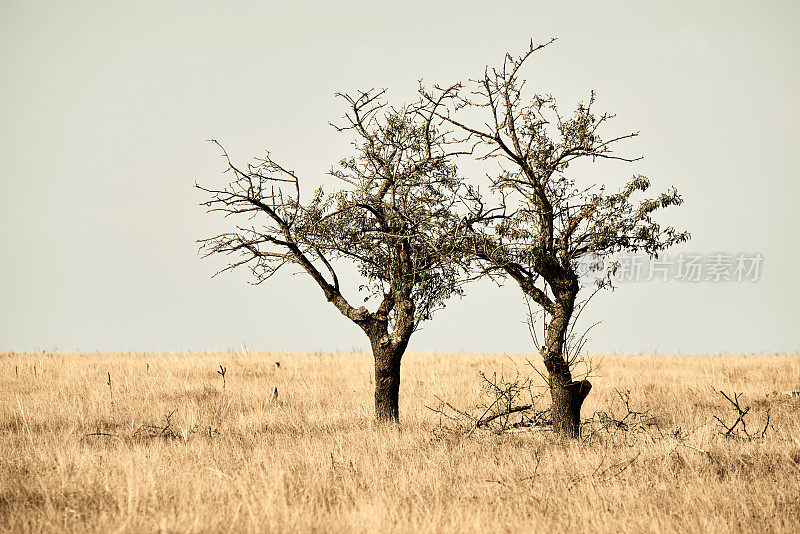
(567, 399)
(387, 383)
(567, 395)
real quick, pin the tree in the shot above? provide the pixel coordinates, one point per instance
(392, 218)
(544, 226)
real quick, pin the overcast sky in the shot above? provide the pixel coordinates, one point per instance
(106, 109)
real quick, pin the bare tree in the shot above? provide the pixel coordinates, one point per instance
(544, 225)
(393, 218)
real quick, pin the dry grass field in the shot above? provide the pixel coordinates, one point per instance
(235, 459)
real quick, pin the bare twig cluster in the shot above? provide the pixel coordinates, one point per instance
(621, 418)
(738, 429)
(511, 405)
(166, 431)
(581, 364)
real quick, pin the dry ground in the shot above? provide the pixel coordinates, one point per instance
(312, 460)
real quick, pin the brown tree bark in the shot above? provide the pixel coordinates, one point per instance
(567, 395)
(567, 399)
(387, 385)
(387, 351)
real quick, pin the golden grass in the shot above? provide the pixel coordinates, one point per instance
(236, 460)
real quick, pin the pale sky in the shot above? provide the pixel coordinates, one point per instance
(106, 108)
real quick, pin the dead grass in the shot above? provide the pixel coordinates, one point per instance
(312, 460)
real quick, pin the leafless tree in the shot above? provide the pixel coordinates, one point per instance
(542, 223)
(393, 216)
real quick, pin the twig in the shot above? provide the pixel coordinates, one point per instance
(515, 409)
(766, 425)
(222, 371)
(480, 419)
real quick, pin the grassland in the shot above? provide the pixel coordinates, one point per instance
(78, 455)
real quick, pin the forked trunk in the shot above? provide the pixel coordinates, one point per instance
(388, 350)
(567, 399)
